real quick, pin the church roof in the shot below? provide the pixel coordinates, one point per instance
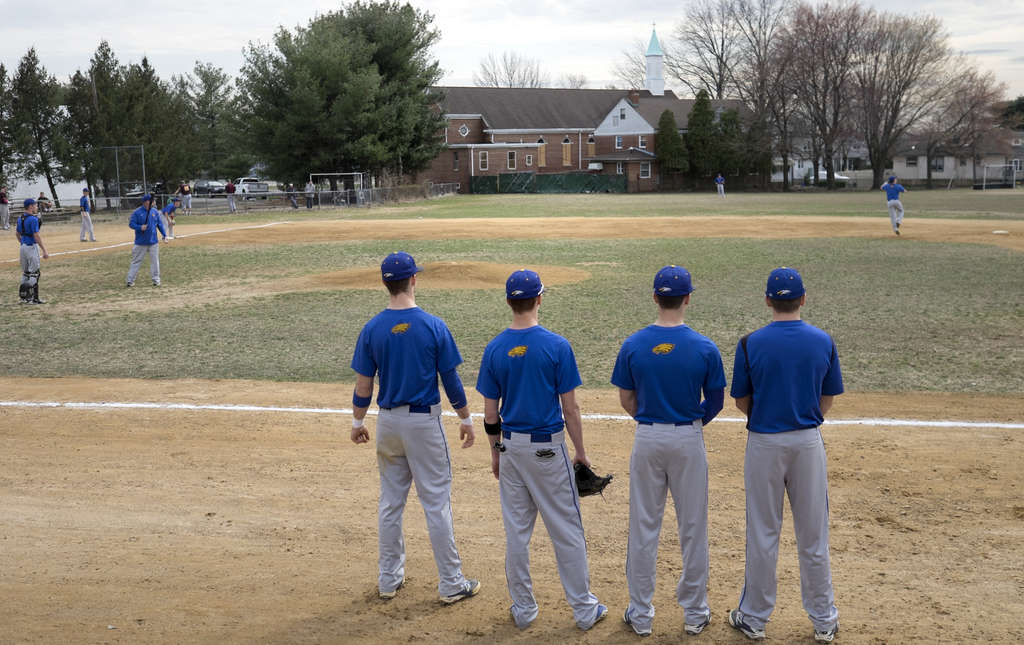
(654, 48)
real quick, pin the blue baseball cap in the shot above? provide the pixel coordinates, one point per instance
(398, 266)
(147, 197)
(784, 284)
(29, 202)
(177, 199)
(673, 281)
(523, 284)
(892, 178)
(85, 190)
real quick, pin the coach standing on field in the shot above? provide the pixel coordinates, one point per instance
(661, 372)
(145, 221)
(784, 379)
(407, 348)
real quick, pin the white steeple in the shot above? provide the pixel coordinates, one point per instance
(655, 81)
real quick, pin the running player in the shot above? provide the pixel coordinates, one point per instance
(407, 348)
(531, 374)
(784, 379)
(892, 196)
(661, 371)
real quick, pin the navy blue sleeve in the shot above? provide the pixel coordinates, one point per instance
(712, 404)
(453, 388)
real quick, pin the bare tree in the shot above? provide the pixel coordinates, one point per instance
(899, 79)
(824, 40)
(511, 70)
(706, 48)
(782, 102)
(572, 81)
(632, 67)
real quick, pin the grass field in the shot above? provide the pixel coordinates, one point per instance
(907, 315)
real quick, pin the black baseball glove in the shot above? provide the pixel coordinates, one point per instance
(588, 482)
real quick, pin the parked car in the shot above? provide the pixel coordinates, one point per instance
(252, 186)
(208, 187)
(823, 176)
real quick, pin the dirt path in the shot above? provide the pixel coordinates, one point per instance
(172, 526)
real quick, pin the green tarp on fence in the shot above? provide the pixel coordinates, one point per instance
(528, 182)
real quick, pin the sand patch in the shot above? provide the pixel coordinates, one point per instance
(446, 275)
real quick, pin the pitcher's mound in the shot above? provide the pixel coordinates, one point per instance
(450, 275)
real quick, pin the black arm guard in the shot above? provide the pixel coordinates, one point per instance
(492, 428)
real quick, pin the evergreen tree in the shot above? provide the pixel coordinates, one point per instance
(350, 91)
(668, 144)
(12, 161)
(39, 121)
(732, 153)
(210, 95)
(700, 137)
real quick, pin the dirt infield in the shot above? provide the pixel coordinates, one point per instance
(173, 526)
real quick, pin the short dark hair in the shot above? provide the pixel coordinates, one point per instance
(670, 302)
(522, 305)
(396, 287)
(785, 306)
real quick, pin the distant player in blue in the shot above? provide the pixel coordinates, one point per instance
(784, 380)
(145, 221)
(892, 196)
(407, 348)
(661, 372)
(167, 212)
(528, 377)
(720, 184)
(86, 218)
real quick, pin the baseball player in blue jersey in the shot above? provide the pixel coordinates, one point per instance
(30, 246)
(86, 218)
(145, 221)
(167, 213)
(407, 348)
(528, 376)
(784, 380)
(661, 372)
(720, 184)
(892, 196)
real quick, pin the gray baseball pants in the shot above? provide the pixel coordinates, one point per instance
(895, 212)
(790, 463)
(5, 216)
(29, 257)
(411, 448)
(667, 458)
(139, 252)
(538, 477)
(86, 228)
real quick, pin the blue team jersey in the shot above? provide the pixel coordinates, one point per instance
(407, 348)
(84, 203)
(719, 180)
(892, 191)
(668, 367)
(29, 227)
(526, 370)
(168, 209)
(791, 366)
(151, 220)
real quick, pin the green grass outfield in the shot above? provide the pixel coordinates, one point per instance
(906, 315)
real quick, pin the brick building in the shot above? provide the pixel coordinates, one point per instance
(493, 131)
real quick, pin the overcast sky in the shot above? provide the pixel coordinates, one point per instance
(568, 37)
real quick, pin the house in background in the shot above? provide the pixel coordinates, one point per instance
(958, 165)
(496, 131)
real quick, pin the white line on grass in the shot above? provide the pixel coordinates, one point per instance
(93, 249)
(116, 405)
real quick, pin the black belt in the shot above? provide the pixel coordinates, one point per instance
(685, 423)
(414, 409)
(535, 437)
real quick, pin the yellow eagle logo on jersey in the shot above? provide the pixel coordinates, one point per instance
(663, 348)
(400, 328)
(518, 350)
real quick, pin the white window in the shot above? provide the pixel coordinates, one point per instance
(622, 114)
(911, 162)
(455, 159)
(938, 163)
(641, 142)
(620, 168)
(511, 159)
(645, 170)
(618, 143)
(529, 160)
(1018, 142)
(483, 160)
(463, 129)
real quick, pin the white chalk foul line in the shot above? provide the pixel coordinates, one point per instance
(93, 249)
(117, 405)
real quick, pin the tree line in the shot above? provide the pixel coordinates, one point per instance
(828, 74)
(348, 92)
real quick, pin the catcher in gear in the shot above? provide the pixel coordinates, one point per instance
(590, 483)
